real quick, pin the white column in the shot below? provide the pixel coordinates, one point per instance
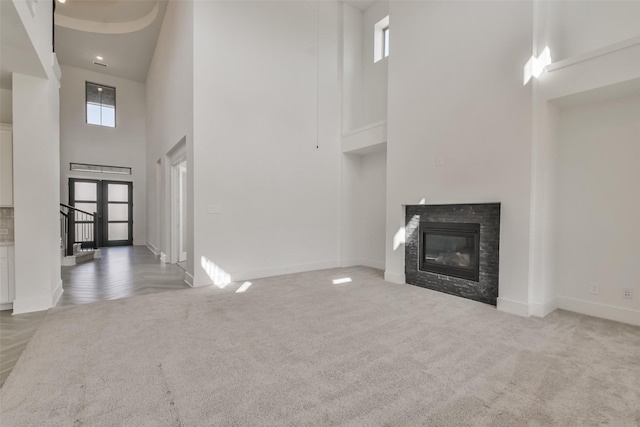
(36, 157)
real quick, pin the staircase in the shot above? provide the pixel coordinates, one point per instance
(78, 235)
(79, 256)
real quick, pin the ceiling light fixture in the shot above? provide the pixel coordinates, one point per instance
(99, 58)
(62, 1)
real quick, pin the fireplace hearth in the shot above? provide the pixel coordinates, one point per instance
(454, 249)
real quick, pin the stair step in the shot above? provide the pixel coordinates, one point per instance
(84, 256)
(79, 257)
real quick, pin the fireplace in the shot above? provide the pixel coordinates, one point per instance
(454, 249)
(451, 249)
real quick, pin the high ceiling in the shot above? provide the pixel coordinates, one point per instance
(106, 10)
(122, 32)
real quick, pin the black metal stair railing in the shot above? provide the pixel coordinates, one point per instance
(77, 227)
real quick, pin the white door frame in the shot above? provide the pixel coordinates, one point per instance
(177, 161)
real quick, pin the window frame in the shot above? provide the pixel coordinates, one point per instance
(385, 42)
(86, 104)
(381, 50)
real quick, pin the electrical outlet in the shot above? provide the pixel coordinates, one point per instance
(627, 293)
(595, 289)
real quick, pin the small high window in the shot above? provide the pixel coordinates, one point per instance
(381, 39)
(101, 105)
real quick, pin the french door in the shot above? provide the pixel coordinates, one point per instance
(112, 201)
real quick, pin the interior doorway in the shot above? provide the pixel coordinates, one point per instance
(113, 203)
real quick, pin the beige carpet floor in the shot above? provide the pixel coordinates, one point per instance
(298, 350)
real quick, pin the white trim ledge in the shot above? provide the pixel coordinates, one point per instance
(593, 54)
(541, 310)
(513, 307)
(365, 140)
(397, 278)
(605, 311)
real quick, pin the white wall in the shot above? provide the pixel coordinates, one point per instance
(352, 52)
(374, 75)
(37, 21)
(596, 208)
(123, 145)
(36, 168)
(455, 91)
(257, 123)
(371, 210)
(36, 193)
(581, 26)
(6, 107)
(170, 120)
(364, 83)
(363, 226)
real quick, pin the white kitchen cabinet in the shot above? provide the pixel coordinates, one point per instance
(6, 165)
(7, 287)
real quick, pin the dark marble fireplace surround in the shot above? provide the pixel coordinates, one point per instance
(488, 216)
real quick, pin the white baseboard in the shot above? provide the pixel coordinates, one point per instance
(29, 305)
(240, 276)
(394, 277)
(605, 311)
(513, 307)
(279, 271)
(188, 279)
(541, 310)
(353, 262)
(153, 249)
(57, 294)
(68, 261)
(373, 263)
(163, 257)
(6, 306)
(350, 262)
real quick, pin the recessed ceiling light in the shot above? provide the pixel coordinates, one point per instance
(99, 58)
(62, 1)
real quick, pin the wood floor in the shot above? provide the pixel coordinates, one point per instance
(121, 272)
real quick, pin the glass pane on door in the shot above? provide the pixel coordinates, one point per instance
(118, 212)
(118, 193)
(118, 231)
(86, 191)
